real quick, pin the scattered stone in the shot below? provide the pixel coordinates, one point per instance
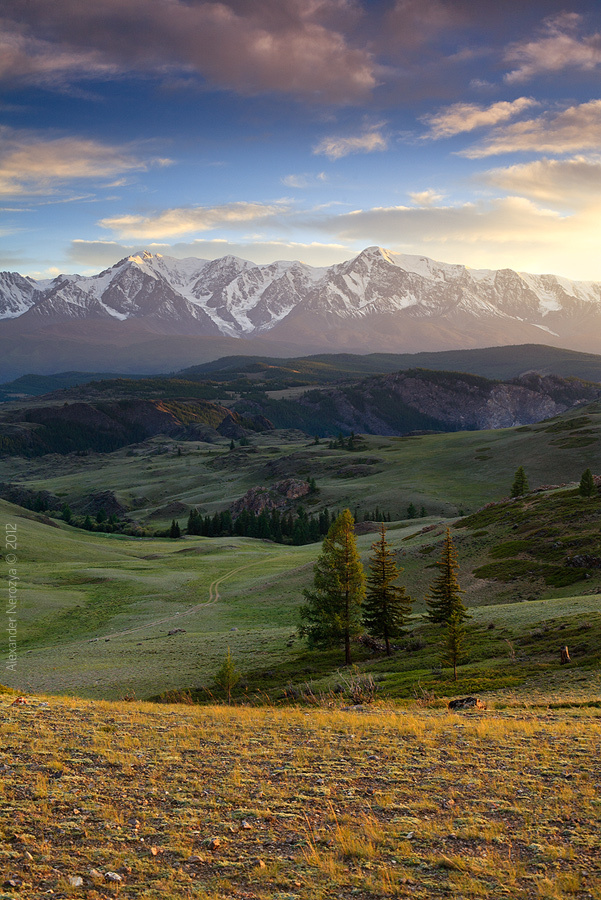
(75, 880)
(154, 851)
(13, 883)
(214, 843)
(467, 703)
(195, 859)
(134, 823)
(95, 873)
(114, 877)
(176, 631)
(245, 826)
(260, 863)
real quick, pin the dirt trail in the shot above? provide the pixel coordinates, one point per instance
(214, 596)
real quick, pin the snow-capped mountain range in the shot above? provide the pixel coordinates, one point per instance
(376, 301)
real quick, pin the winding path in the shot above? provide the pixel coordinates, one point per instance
(214, 596)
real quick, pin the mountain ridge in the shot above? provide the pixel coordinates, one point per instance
(377, 301)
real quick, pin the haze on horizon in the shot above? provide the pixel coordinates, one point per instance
(301, 129)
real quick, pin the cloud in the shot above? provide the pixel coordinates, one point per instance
(30, 164)
(574, 129)
(462, 117)
(305, 180)
(512, 232)
(509, 219)
(185, 220)
(284, 46)
(559, 46)
(564, 183)
(425, 198)
(96, 254)
(370, 141)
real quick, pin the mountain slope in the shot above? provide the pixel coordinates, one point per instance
(418, 399)
(371, 297)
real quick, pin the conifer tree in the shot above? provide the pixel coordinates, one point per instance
(444, 599)
(228, 676)
(386, 604)
(520, 483)
(453, 652)
(174, 531)
(332, 613)
(587, 484)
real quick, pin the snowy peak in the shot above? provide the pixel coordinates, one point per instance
(368, 301)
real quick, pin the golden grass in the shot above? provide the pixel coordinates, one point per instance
(305, 804)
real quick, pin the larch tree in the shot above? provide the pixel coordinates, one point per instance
(453, 650)
(331, 615)
(387, 605)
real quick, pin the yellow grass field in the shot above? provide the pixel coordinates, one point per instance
(128, 800)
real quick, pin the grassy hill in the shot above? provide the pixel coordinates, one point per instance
(444, 473)
(95, 611)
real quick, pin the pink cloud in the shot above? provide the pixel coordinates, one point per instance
(289, 46)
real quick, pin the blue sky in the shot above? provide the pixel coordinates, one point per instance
(300, 129)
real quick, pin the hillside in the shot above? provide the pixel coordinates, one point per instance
(273, 373)
(106, 415)
(79, 586)
(103, 427)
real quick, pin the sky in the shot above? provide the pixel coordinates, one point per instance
(469, 132)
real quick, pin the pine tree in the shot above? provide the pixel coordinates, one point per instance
(331, 615)
(444, 598)
(587, 484)
(174, 531)
(520, 483)
(228, 676)
(412, 511)
(386, 605)
(67, 514)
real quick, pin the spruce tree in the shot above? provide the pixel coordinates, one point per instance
(587, 484)
(386, 605)
(444, 599)
(174, 531)
(520, 483)
(332, 613)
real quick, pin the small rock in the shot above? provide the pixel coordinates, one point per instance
(154, 851)
(195, 859)
(94, 873)
(260, 863)
(467, 703)
(12, 883)
(114, 877)
(75, 880)
(245, 825)
(214, 843)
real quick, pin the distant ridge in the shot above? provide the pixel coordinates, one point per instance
(152, 313)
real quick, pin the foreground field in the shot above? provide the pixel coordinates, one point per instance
(218, 802)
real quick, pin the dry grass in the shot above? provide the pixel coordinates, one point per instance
(305, 804)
